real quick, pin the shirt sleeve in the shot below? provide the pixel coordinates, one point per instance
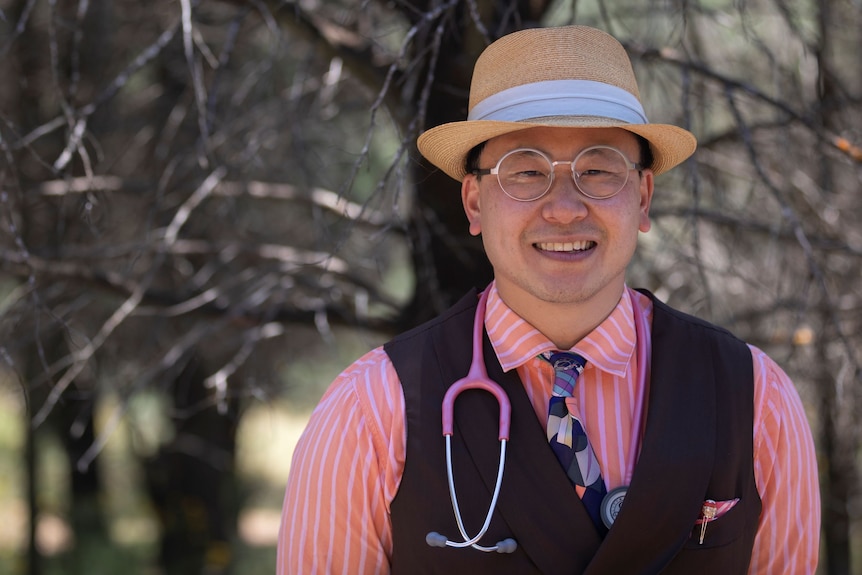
(344, 474)
(785, 470)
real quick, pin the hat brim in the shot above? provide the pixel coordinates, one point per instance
(446, 146)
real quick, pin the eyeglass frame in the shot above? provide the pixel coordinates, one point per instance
(495, 171)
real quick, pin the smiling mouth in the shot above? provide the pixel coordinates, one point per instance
(566, 246)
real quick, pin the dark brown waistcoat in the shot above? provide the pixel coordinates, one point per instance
(697, 445)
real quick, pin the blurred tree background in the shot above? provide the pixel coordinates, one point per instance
(208, 208)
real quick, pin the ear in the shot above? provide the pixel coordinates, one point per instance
(471, 202)
(645, 190)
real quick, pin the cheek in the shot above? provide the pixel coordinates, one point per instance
(492, 225)
(504, 241)
(633, 216)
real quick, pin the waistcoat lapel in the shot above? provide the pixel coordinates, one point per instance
(673, 470)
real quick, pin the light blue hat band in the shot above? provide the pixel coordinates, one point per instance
(560, 98)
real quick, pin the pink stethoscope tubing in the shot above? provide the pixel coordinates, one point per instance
(476, 378)
(640, 343)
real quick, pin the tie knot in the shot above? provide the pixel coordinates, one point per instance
(568, 361)
(567, 367)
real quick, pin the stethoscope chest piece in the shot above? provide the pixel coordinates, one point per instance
(611, 505)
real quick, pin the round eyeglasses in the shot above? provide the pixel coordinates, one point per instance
(599, 172)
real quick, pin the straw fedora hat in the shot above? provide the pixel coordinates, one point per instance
(569, 76)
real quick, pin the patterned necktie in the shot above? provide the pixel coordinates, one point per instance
(568, 439)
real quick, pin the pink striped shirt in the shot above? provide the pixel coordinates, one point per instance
(335, 516)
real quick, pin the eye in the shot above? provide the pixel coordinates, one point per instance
(600, 163)
(594, 172)
(530, 174)
(525, 165)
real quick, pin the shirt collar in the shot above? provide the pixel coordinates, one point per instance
(608, 347)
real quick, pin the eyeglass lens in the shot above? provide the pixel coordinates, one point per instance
(599, 172)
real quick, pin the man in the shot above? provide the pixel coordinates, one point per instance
(687, 450)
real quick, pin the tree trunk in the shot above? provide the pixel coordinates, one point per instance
(34, 558)
(192, 481)
(837, 436)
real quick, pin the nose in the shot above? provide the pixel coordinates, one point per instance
(564, 203)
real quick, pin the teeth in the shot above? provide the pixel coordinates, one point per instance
(565, 246)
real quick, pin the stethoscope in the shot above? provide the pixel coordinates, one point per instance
(477, 378)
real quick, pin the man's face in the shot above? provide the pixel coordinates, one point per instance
(563, 248)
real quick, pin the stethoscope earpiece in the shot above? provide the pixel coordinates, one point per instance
(434, 539)
(507, 545)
